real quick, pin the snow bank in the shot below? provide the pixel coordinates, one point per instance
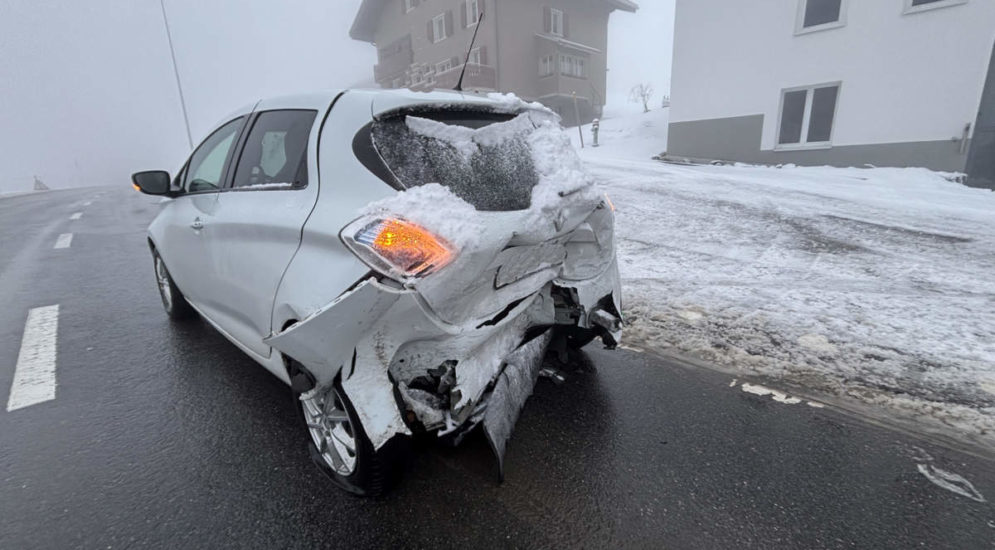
(626, 135)
(873, 285)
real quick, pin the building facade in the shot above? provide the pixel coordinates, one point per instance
(836, 82)
(547, 50)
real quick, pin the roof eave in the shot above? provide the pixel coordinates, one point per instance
(624, 5)
(363, 26)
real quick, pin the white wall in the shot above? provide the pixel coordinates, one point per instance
(906, 77)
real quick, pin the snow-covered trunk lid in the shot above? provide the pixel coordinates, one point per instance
(505, 190)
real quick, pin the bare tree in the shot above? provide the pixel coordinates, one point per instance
(641, 93)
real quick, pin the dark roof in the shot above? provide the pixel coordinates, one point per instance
(369, 12)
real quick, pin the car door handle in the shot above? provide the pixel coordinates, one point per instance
(197, 224)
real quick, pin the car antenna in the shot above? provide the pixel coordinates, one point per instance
(459, 84)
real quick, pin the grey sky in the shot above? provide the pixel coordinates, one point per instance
(87, 93)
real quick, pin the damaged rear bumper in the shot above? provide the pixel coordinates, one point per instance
(406, 370)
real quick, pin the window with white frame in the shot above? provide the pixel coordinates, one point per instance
(814, 15)
(556, 22)
(916, 6)
(417, 77)
(807, 115)
(439, 28)
(409, 5)
(571, 65)
(472, 10)
(444, 66)
(475, 58)
(546, 66)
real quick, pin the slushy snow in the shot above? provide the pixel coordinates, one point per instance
(872, 285)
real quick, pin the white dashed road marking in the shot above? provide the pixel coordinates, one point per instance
(34, 375)
(64, 240)
(76, 216)
(87, 203)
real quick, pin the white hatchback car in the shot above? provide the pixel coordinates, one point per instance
(402, 260)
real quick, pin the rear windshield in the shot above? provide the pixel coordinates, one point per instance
(483, 158)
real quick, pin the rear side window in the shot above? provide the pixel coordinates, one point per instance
(275, 152)
(483, 158)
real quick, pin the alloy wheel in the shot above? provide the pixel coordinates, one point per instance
(165, 286)
(330, 429)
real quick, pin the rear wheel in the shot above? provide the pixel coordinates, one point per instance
(340, 447)
(173, 301)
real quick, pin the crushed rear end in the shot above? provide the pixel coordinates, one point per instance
(496, 243)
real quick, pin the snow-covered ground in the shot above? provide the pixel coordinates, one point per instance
(869, 284)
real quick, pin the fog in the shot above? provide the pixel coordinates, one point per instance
(88, 93)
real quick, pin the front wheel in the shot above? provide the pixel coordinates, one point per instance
(340, 447)
(173, 301)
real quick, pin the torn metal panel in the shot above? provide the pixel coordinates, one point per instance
(591, 291)
(325, 341)
(512, 388)
(479, 367)
(372, 394)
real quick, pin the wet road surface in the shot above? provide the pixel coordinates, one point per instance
(164, 435)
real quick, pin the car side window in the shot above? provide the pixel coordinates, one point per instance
(275, 152)
(207, 164)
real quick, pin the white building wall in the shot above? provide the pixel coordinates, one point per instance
(905, 77)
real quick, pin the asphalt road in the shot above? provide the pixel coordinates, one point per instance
(165, 435)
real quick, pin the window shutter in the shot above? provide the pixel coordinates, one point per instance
(449, 23)
(547, 20)
(566, 25)
(464, 8)
(483, 55)
(431, 31)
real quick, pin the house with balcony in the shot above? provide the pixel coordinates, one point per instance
(551, 51)
(836, 82)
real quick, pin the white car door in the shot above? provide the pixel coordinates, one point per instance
(186, 223)
(256, 227)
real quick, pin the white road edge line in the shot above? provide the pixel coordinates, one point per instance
(76, 216)
(64, 241)
(34, 375)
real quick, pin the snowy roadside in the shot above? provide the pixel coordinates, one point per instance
(873, 284)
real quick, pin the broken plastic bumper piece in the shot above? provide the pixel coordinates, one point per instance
(512, 388)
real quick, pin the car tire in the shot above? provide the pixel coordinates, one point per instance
(173, 301)
(331, 424)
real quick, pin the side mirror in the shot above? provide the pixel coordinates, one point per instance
(152, 182)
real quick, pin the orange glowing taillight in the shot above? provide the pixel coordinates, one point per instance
(397, 247)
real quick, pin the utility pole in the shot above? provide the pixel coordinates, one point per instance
(580, 127)
(176, 72)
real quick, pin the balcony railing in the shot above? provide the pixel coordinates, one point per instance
(395, 60)
(477, 76)
(563, 84)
